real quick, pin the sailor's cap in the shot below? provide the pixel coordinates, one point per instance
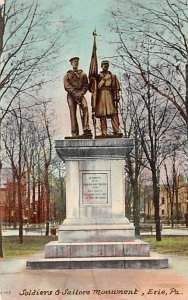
(73, 58)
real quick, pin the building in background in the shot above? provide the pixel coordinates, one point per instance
(173, 202)
(33, 207)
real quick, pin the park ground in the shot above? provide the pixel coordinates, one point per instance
(17, 282)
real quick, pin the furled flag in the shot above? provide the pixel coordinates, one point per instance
(93, 69)
(93, 72)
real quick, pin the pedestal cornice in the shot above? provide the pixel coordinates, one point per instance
(97, 149)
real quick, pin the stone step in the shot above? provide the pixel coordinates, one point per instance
(57, 249)
(71, 233)
(153, 262)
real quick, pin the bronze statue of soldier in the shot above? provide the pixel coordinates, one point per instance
(76, 85)
(107, 99)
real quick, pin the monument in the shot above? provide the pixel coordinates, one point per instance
(96, 233)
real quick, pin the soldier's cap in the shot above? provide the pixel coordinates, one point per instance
(104, 62)
(72, 58)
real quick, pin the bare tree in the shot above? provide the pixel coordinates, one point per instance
(30, 50)
(156, 72)
(45, 140)
(28, 143)
(30, 47)
(58, 187)
(163, 26)
(15, 150)
(134, 160)
(172, 186)
(170, 195)
(152, 121)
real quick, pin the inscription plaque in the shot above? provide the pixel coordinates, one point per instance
(95, 188)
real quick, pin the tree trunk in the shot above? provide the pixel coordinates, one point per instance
(177, 206)
(47, 188)
(1, 239)
(33, 195)
(39, 208)
(157, 222)
(156, 206)
(9, 208)
(28, 194)
(136, 206)
(186, 105)
(20, 212)
(127, 200)
(172, 214)
(14, 202)
(63, 199)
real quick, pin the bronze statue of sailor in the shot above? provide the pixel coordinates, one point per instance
(76, 85)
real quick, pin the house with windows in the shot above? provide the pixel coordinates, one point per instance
(173, 201)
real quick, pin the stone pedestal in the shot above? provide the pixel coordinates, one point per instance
(95, 191)
(96, 232)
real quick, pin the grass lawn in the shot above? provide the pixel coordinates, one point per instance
(31, 245)
(172, 244)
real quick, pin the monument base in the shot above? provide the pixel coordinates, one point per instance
(152, 262)
(98, 249)
(96, 233)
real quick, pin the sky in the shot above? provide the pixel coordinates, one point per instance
(87, 15)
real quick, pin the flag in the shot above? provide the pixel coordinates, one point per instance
(93, 72)
(93, 69)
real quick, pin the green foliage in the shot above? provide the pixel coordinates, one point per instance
(31, 245)
(172, 244)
